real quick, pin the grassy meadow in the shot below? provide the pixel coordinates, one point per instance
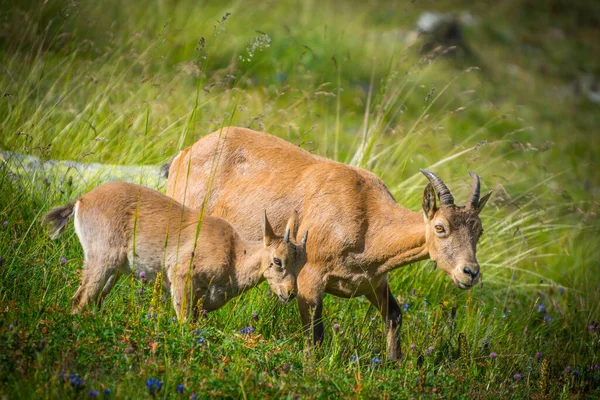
(132, 83)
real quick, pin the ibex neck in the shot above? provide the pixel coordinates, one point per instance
(248, 260)
(401, 236)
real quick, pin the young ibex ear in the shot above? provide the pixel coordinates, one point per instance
(428, 203)
(482, 202)
(268, 234)
(291, 227)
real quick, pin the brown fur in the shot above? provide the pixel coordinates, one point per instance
(360, 232)
(117, 220)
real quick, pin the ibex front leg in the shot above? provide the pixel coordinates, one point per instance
(310, 302)
(383, 299)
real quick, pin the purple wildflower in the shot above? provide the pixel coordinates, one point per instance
(193, 396)
(568, 369)
(141, 291)
(287, 368)
(429, 351)
(517, 377)
(597, 367)
(406, 306)
(255, 316)
(541, 308)
(107, 392)
(591, 328)
(201, 341)
(142, 274)
(336, 327)
(204, 312)
(538, 354)
(576, 372)
(354, 358)
(153, 385)
(247, 330)
(493, 355)
(63, 260)
(5, 223)
(75, 381)
(413, 346)
(376, 361)
(93, 393)
(547, 319)
(180, 388)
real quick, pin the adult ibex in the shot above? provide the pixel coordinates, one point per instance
(121, 225)
(359, 232)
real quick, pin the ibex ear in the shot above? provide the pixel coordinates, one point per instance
(482, 202)
(428, 203)
(268, 234)
(292, 226)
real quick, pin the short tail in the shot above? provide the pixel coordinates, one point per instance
(58, 218)
(164, 169)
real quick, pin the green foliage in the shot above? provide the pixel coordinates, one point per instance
(126, 83)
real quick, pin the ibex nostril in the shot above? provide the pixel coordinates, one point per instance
(471, 272)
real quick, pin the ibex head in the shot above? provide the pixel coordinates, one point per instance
(452, 232)
(283, 258)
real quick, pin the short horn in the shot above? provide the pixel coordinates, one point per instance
(305, 238)
(286, 238)
(473, 200)
(440, 187)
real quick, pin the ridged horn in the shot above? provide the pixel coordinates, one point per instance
(440, 187)
(286, 238)
(473, 200)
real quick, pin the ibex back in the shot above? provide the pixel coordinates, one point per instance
(122, 226)
(359, 232)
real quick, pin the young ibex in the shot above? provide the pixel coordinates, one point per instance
(360, 232)
(124, 227)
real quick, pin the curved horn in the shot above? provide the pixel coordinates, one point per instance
(286, 238)
(440, 187)
(305, 238)
(473, 200)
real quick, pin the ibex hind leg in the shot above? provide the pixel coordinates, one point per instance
(98, 279)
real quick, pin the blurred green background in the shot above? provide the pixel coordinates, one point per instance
(509, 89)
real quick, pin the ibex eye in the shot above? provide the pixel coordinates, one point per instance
(277, 261)
(439, 229)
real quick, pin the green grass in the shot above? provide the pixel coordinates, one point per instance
(130, 84)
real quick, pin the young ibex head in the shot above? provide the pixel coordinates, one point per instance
(283, 258)
(452, 232)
